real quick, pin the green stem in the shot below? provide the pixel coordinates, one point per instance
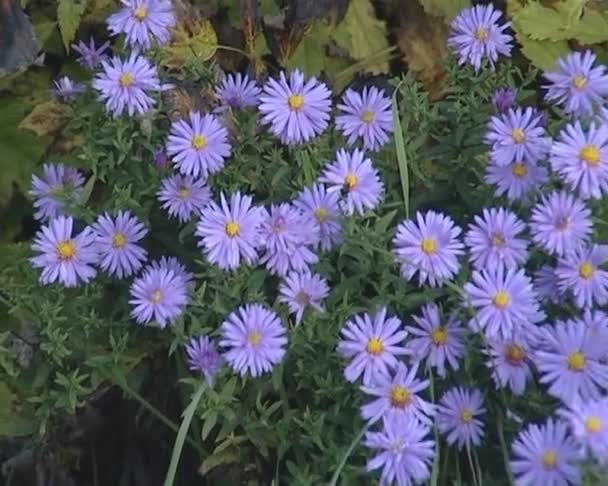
(435, 470)
(182, 434)
(473, 473)
(503, 447)
(349, 451)
(401, 156)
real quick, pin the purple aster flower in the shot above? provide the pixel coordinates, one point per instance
(183, 196)
(504, 300)
(303, 290)
(597, 326)
(322, 208)
(577, 86)
(143, 21)
(405, 451)
(503, 99)
(180, 271)
(457, 416)
(493, 240)
(366, 115)
(516, 136)
(255, 339)
(160, 158)
(295, 110)
(287, 238)
(159, 294)
(430, 247)
(125, 85)
(58, 187)
(546, 285)
(372, 343)
(570, 362)
(230, 231)
(120, 255)
(545, 455)
(560, 223)
(64, 258)
(91, 55)
(510, 362)
(517, 179)
(66, 89)
(581, 159)
(588, 422)
(237, 92)
(203, 357)
(437, 342)
(476, 34)
(398, 396)
(198, 147)
(580, 272)
(355, 177)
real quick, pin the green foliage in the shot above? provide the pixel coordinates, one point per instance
(69, 13)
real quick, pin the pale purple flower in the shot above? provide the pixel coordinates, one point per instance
(238, 92)
(117, 242)
(203, 357)
(366, 115)
(503, 99)
(372, 343)
(429, 247)
(578, 86)
(546, 455)
(58, 187)
(581, 159)
(143, 21)
(200, 146)
(588, 422)
(354, 176)
(436, 341)
(504, 301)
(229, 231)
(516, 180)
(64, 257)
(398, 395)
(458, 415)
(180, 271)
(560, 223)
(597, 326)
(160, 158)
(493, 239)
(405, 451)
(301, 290)
(183, 196)
(125, 85)
(322, 208)
(509, 360)
(254, 338)
(516, 136)
(546, 285)
(580, 272)
(296, 111)
(66, 89)
(570, 363)
(475, 34)
(91, 55)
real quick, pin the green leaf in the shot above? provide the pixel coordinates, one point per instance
(540, 23)
(12, 422)
(543, 54)
(444, 8)
(69, 13)
(592, 27)
(310, 56)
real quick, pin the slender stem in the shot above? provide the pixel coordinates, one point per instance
(503, 447)
(444, 466)
(435, 470)
(400, 150)
(182, 434)
(349, 451)
(475, 482)
(477, 466)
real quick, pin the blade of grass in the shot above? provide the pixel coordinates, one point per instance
(401, 157)
(349, 451)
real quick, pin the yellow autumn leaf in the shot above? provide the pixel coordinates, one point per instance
(197, 41)
(47, 118)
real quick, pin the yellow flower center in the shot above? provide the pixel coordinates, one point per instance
(501, 299)
(519, 170)
(400, 397)
(466, 415)
(119, 240)
(199, 142)
(591, 155)
(594, 424)
(518, 135)
(576, 361)
(140, 13)
(428, 246)
(66, 250)
(368, 116)
(233, 229)
(184, 192)
(351, 181)
(498, 240)
(586, 270)
(295, 102)
(126, 80)
(439, 336)
(481, 34)
(321, 214)
(157, 296)
(254, 338)
(579, 82)
(549, 459)
(375, 346)
(515, 354)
